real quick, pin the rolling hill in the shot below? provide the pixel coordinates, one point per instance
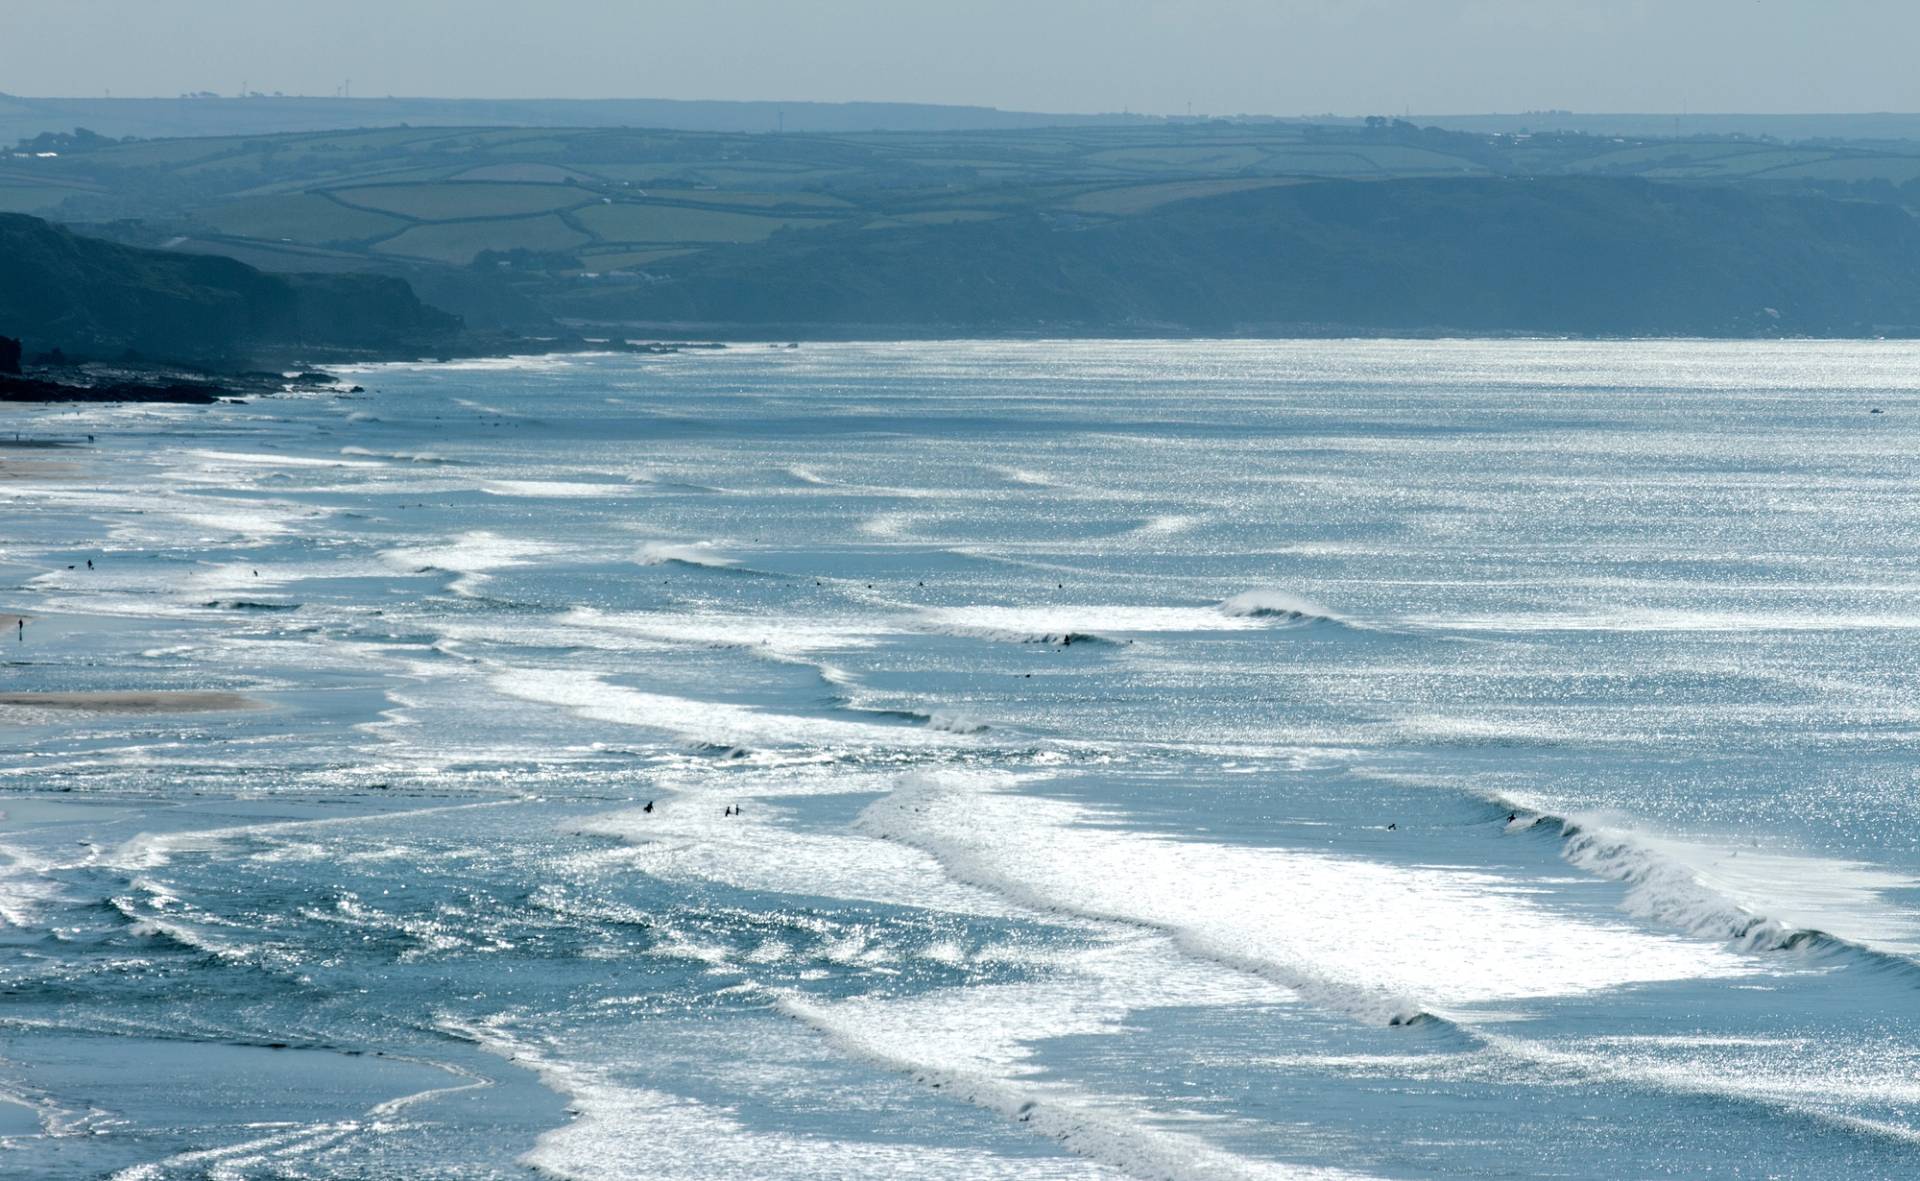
(1472, 255)
(520, 227)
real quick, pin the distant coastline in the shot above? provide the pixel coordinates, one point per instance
(23, 116)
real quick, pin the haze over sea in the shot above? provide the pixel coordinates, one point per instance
(1185, 760)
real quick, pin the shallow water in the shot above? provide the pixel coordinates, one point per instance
(1194, 760)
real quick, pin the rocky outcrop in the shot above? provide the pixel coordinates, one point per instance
(31, 389)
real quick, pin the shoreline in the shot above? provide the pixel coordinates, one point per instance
(831, 332)
(210, 384)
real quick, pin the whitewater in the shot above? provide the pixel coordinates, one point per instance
(1029, 760)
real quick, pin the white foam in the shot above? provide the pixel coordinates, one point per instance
(1051, 623)
(469, 553)
(265, 459)
(252, 520)
(554, 489)
(1376, 940)
(1166, 525)
(516, 363)
(1030, 479)
(688, 838)
(891, 525)
(790, 636)
(26, 887)
(473, 555)
(713, 723)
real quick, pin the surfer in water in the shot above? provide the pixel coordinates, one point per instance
(649, 807)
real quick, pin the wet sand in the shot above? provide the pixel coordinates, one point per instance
(39, 469)
(168, 701)
(40, 459)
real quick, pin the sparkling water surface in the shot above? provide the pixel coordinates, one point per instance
(1067, 760)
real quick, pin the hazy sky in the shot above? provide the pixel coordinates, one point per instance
(1221, 56)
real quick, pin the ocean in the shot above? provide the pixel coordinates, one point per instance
(1025, 760)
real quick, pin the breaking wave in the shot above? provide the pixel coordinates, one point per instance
(1754, 899)
(1278, 604)
(700, 554)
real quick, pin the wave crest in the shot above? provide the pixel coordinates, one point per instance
(1278, 604)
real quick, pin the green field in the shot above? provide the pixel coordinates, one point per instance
(931, 217)
(452, 200)
(1132, 199)
(300, 217)
(37, 199)
(1898, 171)
(276, 256)
(545, 174)
(1224, 158)
(458, 242)
(632, 222)
(766, 200)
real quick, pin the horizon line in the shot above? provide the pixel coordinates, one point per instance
(1556, 112)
